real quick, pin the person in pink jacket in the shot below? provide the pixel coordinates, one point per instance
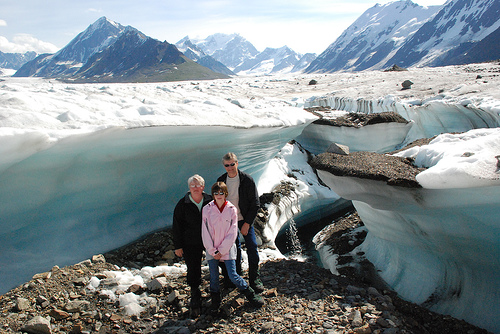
(219, 230)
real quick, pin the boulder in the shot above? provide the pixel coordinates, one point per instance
(37, 325)
(338, 149)
(22, 304)
(407, 84)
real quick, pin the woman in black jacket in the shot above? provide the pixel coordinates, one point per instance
(186, 230)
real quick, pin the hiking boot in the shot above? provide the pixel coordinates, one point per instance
(254, 299)
(257, 285)
(195, 304)
(215, 296)
(254, 278)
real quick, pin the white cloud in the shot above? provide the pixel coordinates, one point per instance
(3, 23)
(23, 42)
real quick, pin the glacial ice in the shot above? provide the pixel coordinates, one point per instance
(430, 118)
(436, 247)
(87, 168)
(91, 193)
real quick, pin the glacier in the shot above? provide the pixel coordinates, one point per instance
(99, 191)
(87, 168)
(437, 246)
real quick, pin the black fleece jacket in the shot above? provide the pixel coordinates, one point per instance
(186, 225)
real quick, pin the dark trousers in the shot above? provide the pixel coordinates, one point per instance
(192, 257)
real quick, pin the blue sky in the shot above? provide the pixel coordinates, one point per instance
(303, 25)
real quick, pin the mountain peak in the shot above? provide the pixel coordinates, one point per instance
(373, 38)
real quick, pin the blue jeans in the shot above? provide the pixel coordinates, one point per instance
(237, 280)
(251, 244)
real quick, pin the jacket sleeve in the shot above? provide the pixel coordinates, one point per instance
(177, 226)
(231, 232)
(252, 197)
(205, 233)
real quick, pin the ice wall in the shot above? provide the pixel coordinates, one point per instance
(64, 201)
(299, 193)
(430, 117)
(435, 247)
(380, 138)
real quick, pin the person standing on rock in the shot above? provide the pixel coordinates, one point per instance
(243, 193)
(219, 232)
(186, 230)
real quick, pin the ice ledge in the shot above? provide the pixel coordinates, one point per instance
(368, 165)
(435, 247)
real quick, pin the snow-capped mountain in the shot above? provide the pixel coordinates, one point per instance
(304, 62)
(15, 60)
(458, 22)
(135, 57)
(280, 60)
(407, 34)
(109, 52)
(67, 61)
(242, 57)
(374, 37)
(231, 50)
(193, 52)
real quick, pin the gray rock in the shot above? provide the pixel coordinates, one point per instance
(86, 263)
(76, 306)
(338, 149)
(407, 84)
(109, 282)
(356, 318)
(173, 296)
(42, 301)
(157, 284)
(99, 258)
(80, 281)
(37, 325)
(22, 304)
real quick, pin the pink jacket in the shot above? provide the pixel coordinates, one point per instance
(219, 230)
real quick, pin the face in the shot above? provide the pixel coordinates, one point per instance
(195, 188)
(231, 167)
(219, 196)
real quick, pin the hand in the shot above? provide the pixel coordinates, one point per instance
(179, 252)
(217, 256)
(244, 228)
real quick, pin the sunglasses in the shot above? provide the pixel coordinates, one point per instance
(219, 193)
(195, 185)
(231, 164)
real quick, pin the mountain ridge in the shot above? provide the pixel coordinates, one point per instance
(414, 35)
(373, 38)
(399, 33)
(109, 52)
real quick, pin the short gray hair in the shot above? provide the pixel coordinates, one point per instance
(198, 178)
